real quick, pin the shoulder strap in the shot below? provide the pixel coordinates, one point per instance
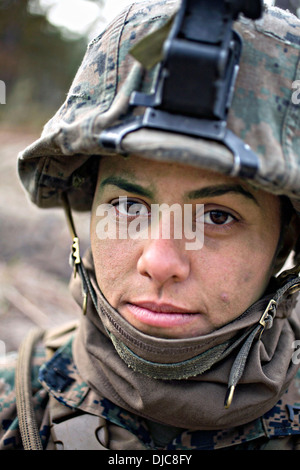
(27, 422)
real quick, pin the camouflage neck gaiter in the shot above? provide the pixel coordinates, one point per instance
(184, 382)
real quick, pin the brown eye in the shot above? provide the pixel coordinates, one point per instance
(217, 217)
(130, 208)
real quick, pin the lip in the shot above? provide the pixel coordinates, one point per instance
(161, 307)
(163, 315)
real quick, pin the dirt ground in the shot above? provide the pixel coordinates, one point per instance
(34, 253)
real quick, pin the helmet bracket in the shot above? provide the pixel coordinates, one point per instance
(203, 47)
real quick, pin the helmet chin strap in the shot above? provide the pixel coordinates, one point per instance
(75, 258)
(289, 284)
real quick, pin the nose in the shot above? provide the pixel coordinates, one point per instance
(163, 260)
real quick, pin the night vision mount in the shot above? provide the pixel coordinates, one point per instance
(196, 80)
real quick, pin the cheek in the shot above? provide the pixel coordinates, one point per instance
(107, 269)
(115, 262)
(110, 260)
(234, 278)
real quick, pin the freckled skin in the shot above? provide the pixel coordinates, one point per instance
(216, 283)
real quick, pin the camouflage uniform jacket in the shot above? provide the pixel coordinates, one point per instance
(71, 397)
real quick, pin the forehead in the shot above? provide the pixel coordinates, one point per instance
(153, 172)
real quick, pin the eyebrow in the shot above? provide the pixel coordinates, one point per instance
(122, 183)
(208, 191)
(220, 190)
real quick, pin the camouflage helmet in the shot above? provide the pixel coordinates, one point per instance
(264, 111)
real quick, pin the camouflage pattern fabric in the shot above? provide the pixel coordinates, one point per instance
(277, 429)
(264, 112)
(10, 437)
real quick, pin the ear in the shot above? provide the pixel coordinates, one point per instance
(290, 241)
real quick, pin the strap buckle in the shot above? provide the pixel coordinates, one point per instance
(266, 319)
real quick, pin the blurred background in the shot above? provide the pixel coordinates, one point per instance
(42, 43)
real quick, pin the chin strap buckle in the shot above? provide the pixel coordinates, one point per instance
(266, 320)
(75, 252)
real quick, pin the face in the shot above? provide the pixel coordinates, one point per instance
(158, 285)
